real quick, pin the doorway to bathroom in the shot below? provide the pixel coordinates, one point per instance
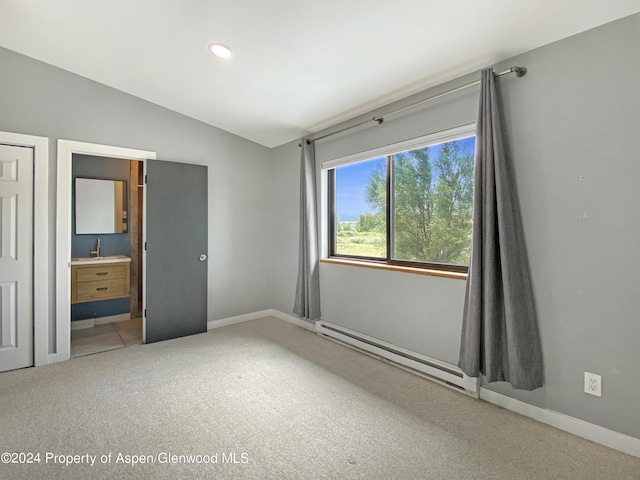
(175, 240)
(64, 227)
(106, 253)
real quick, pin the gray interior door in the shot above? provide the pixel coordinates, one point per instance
(176, 236)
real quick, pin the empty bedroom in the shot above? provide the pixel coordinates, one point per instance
(309, 240)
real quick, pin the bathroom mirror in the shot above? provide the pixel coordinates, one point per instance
(100, 206)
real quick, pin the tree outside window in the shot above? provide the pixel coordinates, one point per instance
(429, 218)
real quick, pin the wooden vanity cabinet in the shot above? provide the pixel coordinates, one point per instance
(93, 282)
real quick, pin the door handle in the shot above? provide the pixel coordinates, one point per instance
(202, 257)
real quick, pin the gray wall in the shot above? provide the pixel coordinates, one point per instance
(573, 123)
(38, 99)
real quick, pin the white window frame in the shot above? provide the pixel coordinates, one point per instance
(451, 134)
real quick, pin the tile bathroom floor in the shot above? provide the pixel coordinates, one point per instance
(109, 336)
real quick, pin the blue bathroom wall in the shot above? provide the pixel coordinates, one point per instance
(103, 308)
(110, 244)
(107, 168)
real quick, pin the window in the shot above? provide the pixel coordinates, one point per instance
(412, 207)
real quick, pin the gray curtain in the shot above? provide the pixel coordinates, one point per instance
(499, 331)
(307, 303)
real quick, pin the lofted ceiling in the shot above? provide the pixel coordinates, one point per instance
(298, 66)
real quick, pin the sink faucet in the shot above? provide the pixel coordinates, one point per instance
(97, 250)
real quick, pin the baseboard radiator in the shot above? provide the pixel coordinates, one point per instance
(436, 370)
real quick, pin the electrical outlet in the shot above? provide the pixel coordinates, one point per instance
(593, 384)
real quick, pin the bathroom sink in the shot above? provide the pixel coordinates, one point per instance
(91, 260)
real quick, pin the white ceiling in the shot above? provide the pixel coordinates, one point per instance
(298, 65)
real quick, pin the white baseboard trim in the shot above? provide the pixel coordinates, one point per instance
(603, 436)
(92, 322)
(247, 317)
(82, 324)
(121, 317)
(295, 320)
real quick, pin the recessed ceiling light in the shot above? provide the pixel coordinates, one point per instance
(219, 50)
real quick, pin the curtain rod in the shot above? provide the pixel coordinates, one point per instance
(519, 71)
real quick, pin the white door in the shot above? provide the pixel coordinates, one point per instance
(16, 257)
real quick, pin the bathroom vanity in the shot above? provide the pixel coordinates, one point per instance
(99, 278)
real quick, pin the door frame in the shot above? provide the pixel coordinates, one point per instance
(40, 272)
(66, 149)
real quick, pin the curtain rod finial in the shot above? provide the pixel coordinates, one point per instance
(520, 71)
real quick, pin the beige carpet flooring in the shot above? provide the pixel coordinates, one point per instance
(269, 400)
